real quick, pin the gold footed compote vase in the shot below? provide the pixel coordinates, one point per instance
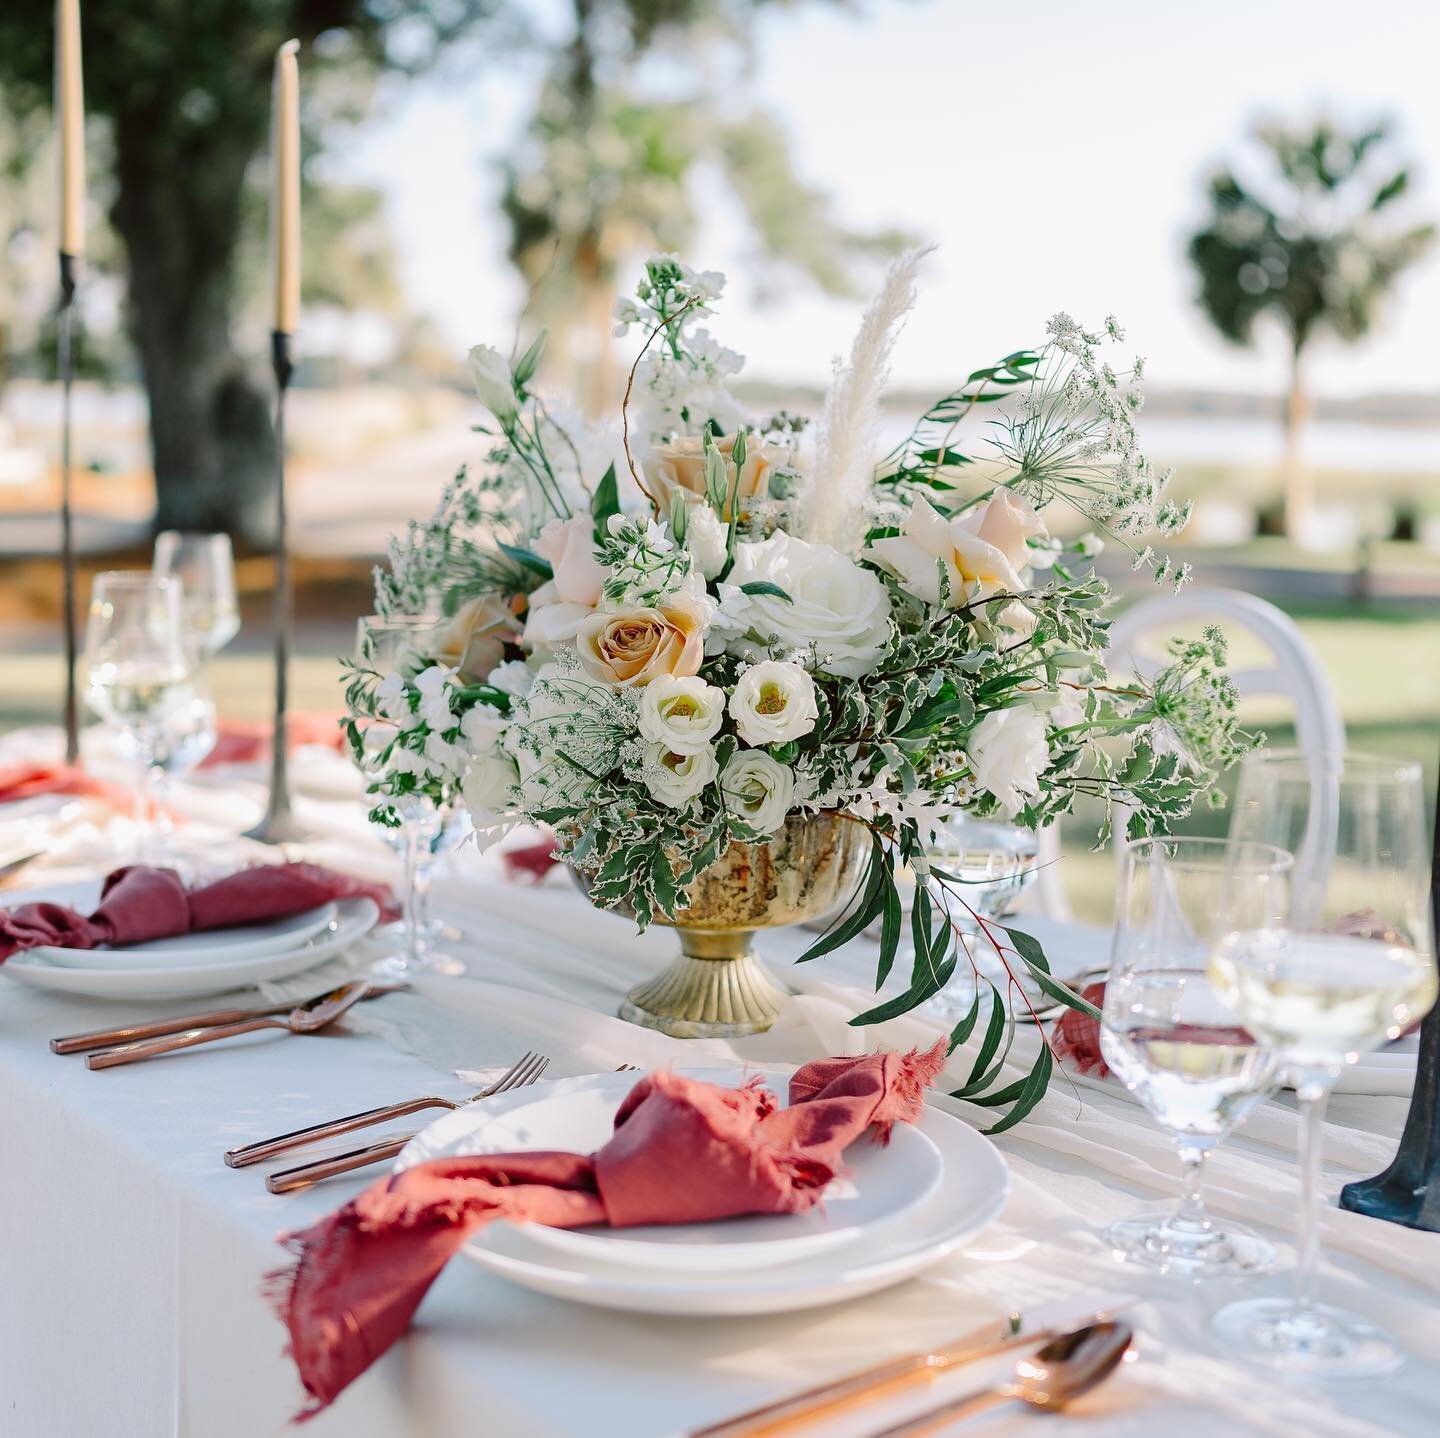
(718, 987)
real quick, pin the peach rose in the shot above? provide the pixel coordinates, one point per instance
(474, 640)
(681, 465)
(635, 647)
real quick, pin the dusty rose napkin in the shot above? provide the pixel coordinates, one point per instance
(1077, 1035)
(244, 741)
(27, 780)
(681, 1152)
(140, 903)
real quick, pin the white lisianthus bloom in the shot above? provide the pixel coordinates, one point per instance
(490, 374)
(435, 686)
(773, 703)
(705, 539)
(514, 677)
(675, 779)
(834, 607)
(982, 553)
(758, 790)
(684, 713)
(1008, 754)
(489, 785)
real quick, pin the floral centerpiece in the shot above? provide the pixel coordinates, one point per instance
(735, 628)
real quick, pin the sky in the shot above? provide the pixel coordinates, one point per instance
(1055, 152)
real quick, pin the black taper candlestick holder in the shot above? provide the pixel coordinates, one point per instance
(1408, 1191)
(280, 826)
(64, 336)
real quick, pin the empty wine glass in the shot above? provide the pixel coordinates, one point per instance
(1347, 967)
(205, 566)
(136, 664)
(1173, 1040)
(405, 644)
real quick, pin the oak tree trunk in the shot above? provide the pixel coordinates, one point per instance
(178, 211)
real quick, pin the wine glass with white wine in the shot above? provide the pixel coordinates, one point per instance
(136, 667)
(1349, 967)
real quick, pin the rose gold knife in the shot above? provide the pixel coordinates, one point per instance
(989, 1339)
(157, 1028)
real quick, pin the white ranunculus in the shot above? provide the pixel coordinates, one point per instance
(490, 374)
(675, 779)
(773, 703)
(982, 552)
(684, 713)
(1008, 754)
(758, 790)
(489, 785)
(705, 539)
(835, 607)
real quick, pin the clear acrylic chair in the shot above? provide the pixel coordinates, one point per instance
(1290, 670)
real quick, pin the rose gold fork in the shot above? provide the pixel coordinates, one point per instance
(524, 1073)
(273, 1147)
(302, 1176)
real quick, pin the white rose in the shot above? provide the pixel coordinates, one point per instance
(489, 785)
(774, 703)
(758, 790)
(675, 779)
(1007, 753)
(982, 553)
(490, 374)
(682, 713)
(834, 605)
(705, 535)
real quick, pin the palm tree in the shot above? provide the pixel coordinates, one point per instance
(1311, 243)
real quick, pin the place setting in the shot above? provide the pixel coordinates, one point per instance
(590, 885)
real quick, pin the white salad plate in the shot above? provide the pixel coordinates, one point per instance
(354, 918)
(216, 946)
(971, 1191)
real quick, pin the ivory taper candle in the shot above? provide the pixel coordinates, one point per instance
(285, 201)
(70, 120)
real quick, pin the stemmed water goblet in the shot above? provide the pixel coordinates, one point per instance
(205, 566)
(1173, 1040)
(136, 666)
(405, 644)
(1348, 966)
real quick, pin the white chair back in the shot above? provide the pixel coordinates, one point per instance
(1290, 670)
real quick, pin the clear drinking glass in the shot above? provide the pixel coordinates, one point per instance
(205, 566)
(1348, 967)
(990, 864)
(136, 664)
(1173, 1040)
(404, 644)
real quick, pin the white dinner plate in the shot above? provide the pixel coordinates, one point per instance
(183, 951)
(971, 1194)
(354, 918)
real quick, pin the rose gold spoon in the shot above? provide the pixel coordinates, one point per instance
(309, 1018)
(1058, 1374)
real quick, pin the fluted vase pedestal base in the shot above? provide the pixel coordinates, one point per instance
(717, 989)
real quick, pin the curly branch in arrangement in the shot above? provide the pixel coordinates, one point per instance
(625, 403)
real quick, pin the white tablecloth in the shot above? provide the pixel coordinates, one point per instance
(132, 1259)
